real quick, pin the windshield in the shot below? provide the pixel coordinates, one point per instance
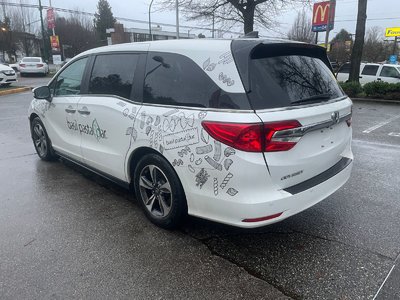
(281, 81)
(31, 59)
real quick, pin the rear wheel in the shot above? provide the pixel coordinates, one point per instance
(159, 191)
(41, 140)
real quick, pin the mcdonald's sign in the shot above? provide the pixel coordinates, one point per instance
(320, 16)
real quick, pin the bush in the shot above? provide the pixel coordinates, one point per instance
(380, 89)
(352, 89)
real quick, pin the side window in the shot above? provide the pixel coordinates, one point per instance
(112, 74)
(370, 70)
(345, 69)
(68, 82)
(173, 79)
(389, 72)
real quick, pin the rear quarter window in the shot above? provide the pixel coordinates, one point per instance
(370, 70)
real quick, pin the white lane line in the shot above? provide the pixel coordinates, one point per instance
(394, 134)
(381, 124)
(383, 283)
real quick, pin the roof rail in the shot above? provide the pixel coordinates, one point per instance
(251, 34)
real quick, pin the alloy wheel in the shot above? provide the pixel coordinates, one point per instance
(39, 138)
(155, 191)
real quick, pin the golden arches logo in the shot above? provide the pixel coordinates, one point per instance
(322, 9)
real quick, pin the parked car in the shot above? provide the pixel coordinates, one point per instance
(7, 75)
(33, 65)
(370, 72)
(245, 132)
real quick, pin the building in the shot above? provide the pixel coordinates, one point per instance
(119, 34)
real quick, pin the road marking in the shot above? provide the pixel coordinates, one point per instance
(383, 283)
(379, 125)
(394, 134)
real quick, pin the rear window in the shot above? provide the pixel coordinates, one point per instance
(287, 80)
(31, 59)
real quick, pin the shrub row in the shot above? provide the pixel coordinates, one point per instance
(376, 89)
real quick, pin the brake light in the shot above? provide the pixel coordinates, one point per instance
(22, 65)
(39, 65)
(281, 142)
(254, 137)
(349, 121)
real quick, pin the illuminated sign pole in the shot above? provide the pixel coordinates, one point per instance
(323, 18)
(331, 4)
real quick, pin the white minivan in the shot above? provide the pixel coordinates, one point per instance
(370, 72)
(245, 132)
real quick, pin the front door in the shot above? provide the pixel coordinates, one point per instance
(61, 116)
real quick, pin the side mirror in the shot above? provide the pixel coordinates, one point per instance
(42, 92)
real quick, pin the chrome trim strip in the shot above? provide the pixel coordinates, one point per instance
(300, 131)
(302, 106)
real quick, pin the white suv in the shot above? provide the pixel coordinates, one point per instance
(371, 72)
(245, 132)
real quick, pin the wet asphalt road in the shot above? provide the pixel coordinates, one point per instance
(65, 233)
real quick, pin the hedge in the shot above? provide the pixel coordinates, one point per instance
(375, 89)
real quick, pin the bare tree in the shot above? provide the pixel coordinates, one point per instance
(76, 33)
(301, 29)
(356, 54)
(232, 12)
(375, 49)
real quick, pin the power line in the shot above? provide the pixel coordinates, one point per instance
(65, 10)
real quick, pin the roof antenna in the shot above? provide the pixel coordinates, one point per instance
(251, 34)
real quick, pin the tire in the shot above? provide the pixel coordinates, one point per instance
(161, 195)
(41, 141)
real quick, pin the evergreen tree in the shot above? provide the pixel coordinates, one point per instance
(103, 19)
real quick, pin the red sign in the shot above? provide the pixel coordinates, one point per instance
(320, 16)
(51, 19)
(55, 43)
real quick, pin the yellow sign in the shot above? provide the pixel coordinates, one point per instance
(393, 31)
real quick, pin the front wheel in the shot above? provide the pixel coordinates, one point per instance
(159, 191)
(41, 140)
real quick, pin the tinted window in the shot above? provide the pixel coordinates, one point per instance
(370, 70)
(68, 82)
(112, 74)
(281, 81)
(173, 79)
(344, 69)
(389, 72)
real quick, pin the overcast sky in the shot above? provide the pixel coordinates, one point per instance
(382, 13)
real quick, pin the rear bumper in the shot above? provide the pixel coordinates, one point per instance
(281, 201)
(32, 71)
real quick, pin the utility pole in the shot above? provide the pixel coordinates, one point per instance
(45, 54)
(54, 33)
(177, 19)
(213, 24)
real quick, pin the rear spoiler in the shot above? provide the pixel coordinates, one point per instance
(245, 50)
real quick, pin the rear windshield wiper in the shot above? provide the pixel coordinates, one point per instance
(314, 98)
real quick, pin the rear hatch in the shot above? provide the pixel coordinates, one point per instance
(305, 113)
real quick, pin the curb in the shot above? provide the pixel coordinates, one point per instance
(375, 100)
(15, 90)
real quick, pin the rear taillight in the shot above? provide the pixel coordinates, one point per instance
(39, 65)
(255, 137)
(22, 65)
(279, 137)
(348, 121)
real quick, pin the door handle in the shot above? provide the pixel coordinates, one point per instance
(359, 76)
(378, 79)
(84, 111)
(70, 110)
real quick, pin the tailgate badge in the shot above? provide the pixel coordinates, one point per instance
(335, 117)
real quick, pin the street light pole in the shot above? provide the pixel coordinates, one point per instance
(177, 19)
(151, 36)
